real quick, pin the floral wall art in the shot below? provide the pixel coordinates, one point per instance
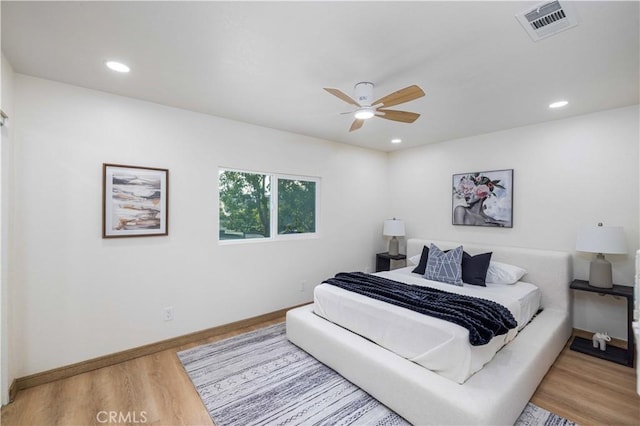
(135, 201)
(483, 198)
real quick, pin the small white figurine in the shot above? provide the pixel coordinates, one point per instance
(600, 340)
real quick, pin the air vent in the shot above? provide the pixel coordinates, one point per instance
(548, 19)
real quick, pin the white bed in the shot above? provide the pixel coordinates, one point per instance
(496, 394)
(435, 344)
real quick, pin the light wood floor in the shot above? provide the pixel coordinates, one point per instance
(154, 389)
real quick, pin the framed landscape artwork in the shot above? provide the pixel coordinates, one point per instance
(134, 201)
(483, 198)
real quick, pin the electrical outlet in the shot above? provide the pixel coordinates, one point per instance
(303, 285)
(367, 269)
(167, 313)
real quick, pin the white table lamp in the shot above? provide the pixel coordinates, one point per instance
(393, 228)
(601, 240)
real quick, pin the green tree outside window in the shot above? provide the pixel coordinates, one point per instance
(245, 205)
(296, 206)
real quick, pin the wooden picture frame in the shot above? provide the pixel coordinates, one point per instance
(135, 201)
(483, 199)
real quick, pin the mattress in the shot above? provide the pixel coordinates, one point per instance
(437, 345)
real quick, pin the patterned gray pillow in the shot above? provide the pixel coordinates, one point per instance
(444, 267)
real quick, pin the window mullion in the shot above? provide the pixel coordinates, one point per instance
(274, 206)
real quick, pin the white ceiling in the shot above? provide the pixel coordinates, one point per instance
(267, 62)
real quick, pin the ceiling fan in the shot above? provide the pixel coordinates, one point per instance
(367, 109)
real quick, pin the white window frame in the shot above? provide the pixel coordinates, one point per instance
(273, 209)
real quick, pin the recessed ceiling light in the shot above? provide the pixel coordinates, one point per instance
(117, 66)
(396, 140)
(558, 104)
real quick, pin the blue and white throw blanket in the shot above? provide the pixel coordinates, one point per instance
(483, 318)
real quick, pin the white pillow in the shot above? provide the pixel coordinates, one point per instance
(415, 259)
(503, 273)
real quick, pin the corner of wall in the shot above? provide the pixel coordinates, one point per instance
(6, 104)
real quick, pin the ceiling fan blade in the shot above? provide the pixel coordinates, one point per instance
(356, 125)
(402, 116)
(340, 94)
(401, 96)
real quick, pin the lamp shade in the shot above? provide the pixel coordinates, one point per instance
(601, 239)
(393, 228)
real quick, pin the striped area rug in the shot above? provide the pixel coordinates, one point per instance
(260, 378)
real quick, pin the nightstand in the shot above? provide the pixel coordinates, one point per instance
(387, 262)
(613, 353)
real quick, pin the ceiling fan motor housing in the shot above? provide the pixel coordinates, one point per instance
(364, 93)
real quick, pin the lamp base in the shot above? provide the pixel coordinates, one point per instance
(394, 246)
(600, 272)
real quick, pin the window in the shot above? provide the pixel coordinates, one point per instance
(296, 206)
(266, 206)
(244, 205)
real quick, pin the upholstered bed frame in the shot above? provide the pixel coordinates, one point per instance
(494, 395)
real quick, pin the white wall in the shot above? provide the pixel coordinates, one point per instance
(76, 296)
(567, 173)
(81, 296)
(6, 104)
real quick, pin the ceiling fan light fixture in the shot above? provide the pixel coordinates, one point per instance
(365, 113)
